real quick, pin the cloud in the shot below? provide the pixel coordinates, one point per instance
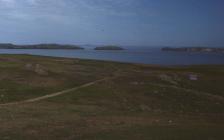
(110, 7)
(64, 11)
(7, 3)
(32, 2)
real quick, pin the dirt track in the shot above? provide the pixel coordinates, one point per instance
(104, 79)
(55, 94)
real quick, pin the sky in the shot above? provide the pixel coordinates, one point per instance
(113, 22)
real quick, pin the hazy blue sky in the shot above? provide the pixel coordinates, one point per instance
(121, 22)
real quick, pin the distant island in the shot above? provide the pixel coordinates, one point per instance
(193, 49)
(109, 48)
(39, 46)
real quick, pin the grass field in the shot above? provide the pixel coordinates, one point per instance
(136, 102)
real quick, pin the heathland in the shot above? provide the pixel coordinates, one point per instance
(61, 98)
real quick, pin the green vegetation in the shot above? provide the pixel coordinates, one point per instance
(136, 102)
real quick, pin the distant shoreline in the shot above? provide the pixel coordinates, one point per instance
(194, 49)
(116, 48)
(40, 46)
(56, 47)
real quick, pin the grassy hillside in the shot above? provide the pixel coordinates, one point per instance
(135, 102)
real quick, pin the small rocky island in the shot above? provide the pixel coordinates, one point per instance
(39, 46)
(194, 49)
(109, 48)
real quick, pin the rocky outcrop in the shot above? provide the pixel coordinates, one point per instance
(37, 68)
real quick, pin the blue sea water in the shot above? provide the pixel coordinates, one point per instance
(144, 56)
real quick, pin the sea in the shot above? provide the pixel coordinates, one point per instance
(147, 55)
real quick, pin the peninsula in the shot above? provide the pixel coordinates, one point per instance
(39, 46)
(194, 49)
(109, 48)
